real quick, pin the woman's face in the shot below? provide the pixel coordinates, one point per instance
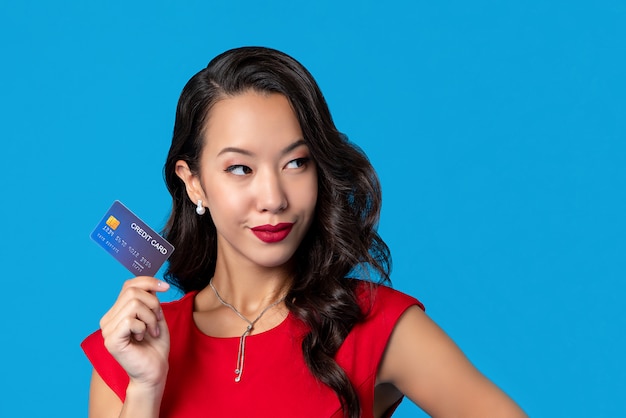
(256, 178)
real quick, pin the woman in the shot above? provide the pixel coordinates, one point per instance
(273, 212)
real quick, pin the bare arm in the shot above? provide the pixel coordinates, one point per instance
(104, 403)
(136, 334)
(424, 364)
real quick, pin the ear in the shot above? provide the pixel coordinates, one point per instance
(192, 182)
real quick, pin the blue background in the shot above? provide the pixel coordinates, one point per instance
(497, 127)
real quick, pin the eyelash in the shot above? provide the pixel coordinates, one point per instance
(232, 168)
(302, 161)
(247, 170)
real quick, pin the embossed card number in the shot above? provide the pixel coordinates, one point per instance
(131, 242)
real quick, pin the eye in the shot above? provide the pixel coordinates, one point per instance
(238, 170)
(297, 163)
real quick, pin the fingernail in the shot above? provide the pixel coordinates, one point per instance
(157, 331)
(160, 315)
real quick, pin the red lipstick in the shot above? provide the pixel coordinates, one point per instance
(272, 233)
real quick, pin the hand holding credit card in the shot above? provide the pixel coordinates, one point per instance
(131, 242)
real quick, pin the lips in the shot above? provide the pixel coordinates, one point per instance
(272, 233)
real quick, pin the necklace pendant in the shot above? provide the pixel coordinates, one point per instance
(248, 331)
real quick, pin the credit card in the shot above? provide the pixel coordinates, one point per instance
(131, 242)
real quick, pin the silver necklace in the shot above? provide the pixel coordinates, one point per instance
(249, 328)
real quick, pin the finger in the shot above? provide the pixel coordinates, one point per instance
(163, 339)
(135, 310)
(137, 328)
(148, 316)
(147, 283)
(128, 296)
(142, 285)
(124, 333)
(164, 331)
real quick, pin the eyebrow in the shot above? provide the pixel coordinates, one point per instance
(286, 150)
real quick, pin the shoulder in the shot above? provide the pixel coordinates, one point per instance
(182, 307)
(380, 300)
(382, 307)
(423, 363)
(363, 349)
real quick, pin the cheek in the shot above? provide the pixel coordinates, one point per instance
(309, 195)
(223, 200)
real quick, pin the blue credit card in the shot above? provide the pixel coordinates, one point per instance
(131, 242)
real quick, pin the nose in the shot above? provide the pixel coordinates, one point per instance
(271, 196)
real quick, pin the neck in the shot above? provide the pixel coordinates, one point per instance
(251, 288)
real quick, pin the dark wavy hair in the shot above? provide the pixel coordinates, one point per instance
(342, 241)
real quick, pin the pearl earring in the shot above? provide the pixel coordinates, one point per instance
(200, 210)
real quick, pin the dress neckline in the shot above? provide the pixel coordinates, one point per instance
(263, 334)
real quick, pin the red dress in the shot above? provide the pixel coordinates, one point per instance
(276, 381)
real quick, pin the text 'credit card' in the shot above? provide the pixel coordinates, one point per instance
(131, 242)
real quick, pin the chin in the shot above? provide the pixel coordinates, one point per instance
(274, 262)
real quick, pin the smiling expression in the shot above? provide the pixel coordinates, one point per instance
(256, 177)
